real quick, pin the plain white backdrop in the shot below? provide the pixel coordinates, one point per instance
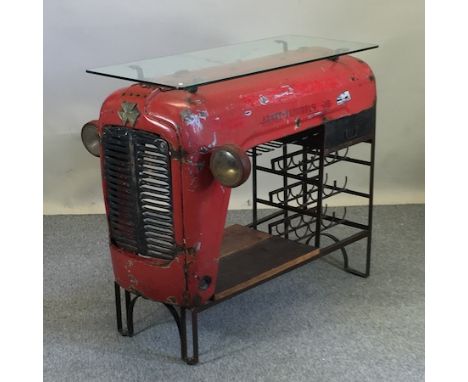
(87, 34)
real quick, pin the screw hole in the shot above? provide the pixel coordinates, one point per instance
(204, 283)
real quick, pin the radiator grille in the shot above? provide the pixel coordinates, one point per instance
(139, 194)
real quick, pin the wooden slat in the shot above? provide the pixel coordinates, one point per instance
(261, 261)
(237, 237)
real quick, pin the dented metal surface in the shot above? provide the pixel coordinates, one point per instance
(245, 112)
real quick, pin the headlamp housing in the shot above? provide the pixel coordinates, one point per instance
(91, 139)
(230, 165)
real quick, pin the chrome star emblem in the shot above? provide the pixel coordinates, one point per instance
(128, 113)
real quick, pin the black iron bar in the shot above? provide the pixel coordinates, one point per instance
(118, 307)
(341, 158)
(265, 219)
(129, 313)
(336, 158)
(302, 224)
(265, 148)
(183, 320)
(371, 207)
(307, 224)
(296, 165)
(273, 144)
(177, 319)
(304, 176)
(313, 180)
(276, 161)
(194, 359)
(346, 222)
(344, 242)
(304, 192)
(291, 218)
(254, 188)
(183, 333)
(285, 192)
(345, 191)
(318, 221)
(308, 212)
(309, 193)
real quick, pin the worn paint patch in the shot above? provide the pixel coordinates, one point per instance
(194, 120)
(133, 280)
(197, 247)
(288, 90)
(163, 264)
(284, 115)
(297, 123)
(343, 98)
(203, 114)
(214, 141)
(128, 265)
(313, 115)
(211, 145)
(263, 100)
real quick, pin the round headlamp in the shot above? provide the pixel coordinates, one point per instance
(230, 165)
(90, 138)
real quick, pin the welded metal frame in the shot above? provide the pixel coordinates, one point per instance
(325, 156)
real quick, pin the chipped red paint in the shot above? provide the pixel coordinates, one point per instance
(246, 112)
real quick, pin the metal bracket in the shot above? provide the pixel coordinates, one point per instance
(179, 154)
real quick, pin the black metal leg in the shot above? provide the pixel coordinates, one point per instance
(285, 191)
(194, 359)
(346, 266)
(321, 165)
(254, 188)
(180, 319)
(371, 205)
(118, 307)
(129, 305)
(180, 328)
(353, 271)
(366, 273)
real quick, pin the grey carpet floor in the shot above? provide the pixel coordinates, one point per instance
(316, 323)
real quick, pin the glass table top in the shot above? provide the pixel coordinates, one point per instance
(203, 67)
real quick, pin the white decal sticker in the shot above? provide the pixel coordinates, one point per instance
(343, 98)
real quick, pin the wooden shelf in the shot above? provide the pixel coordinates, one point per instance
(249, 257)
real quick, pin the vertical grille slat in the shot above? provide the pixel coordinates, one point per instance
(137, 171)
